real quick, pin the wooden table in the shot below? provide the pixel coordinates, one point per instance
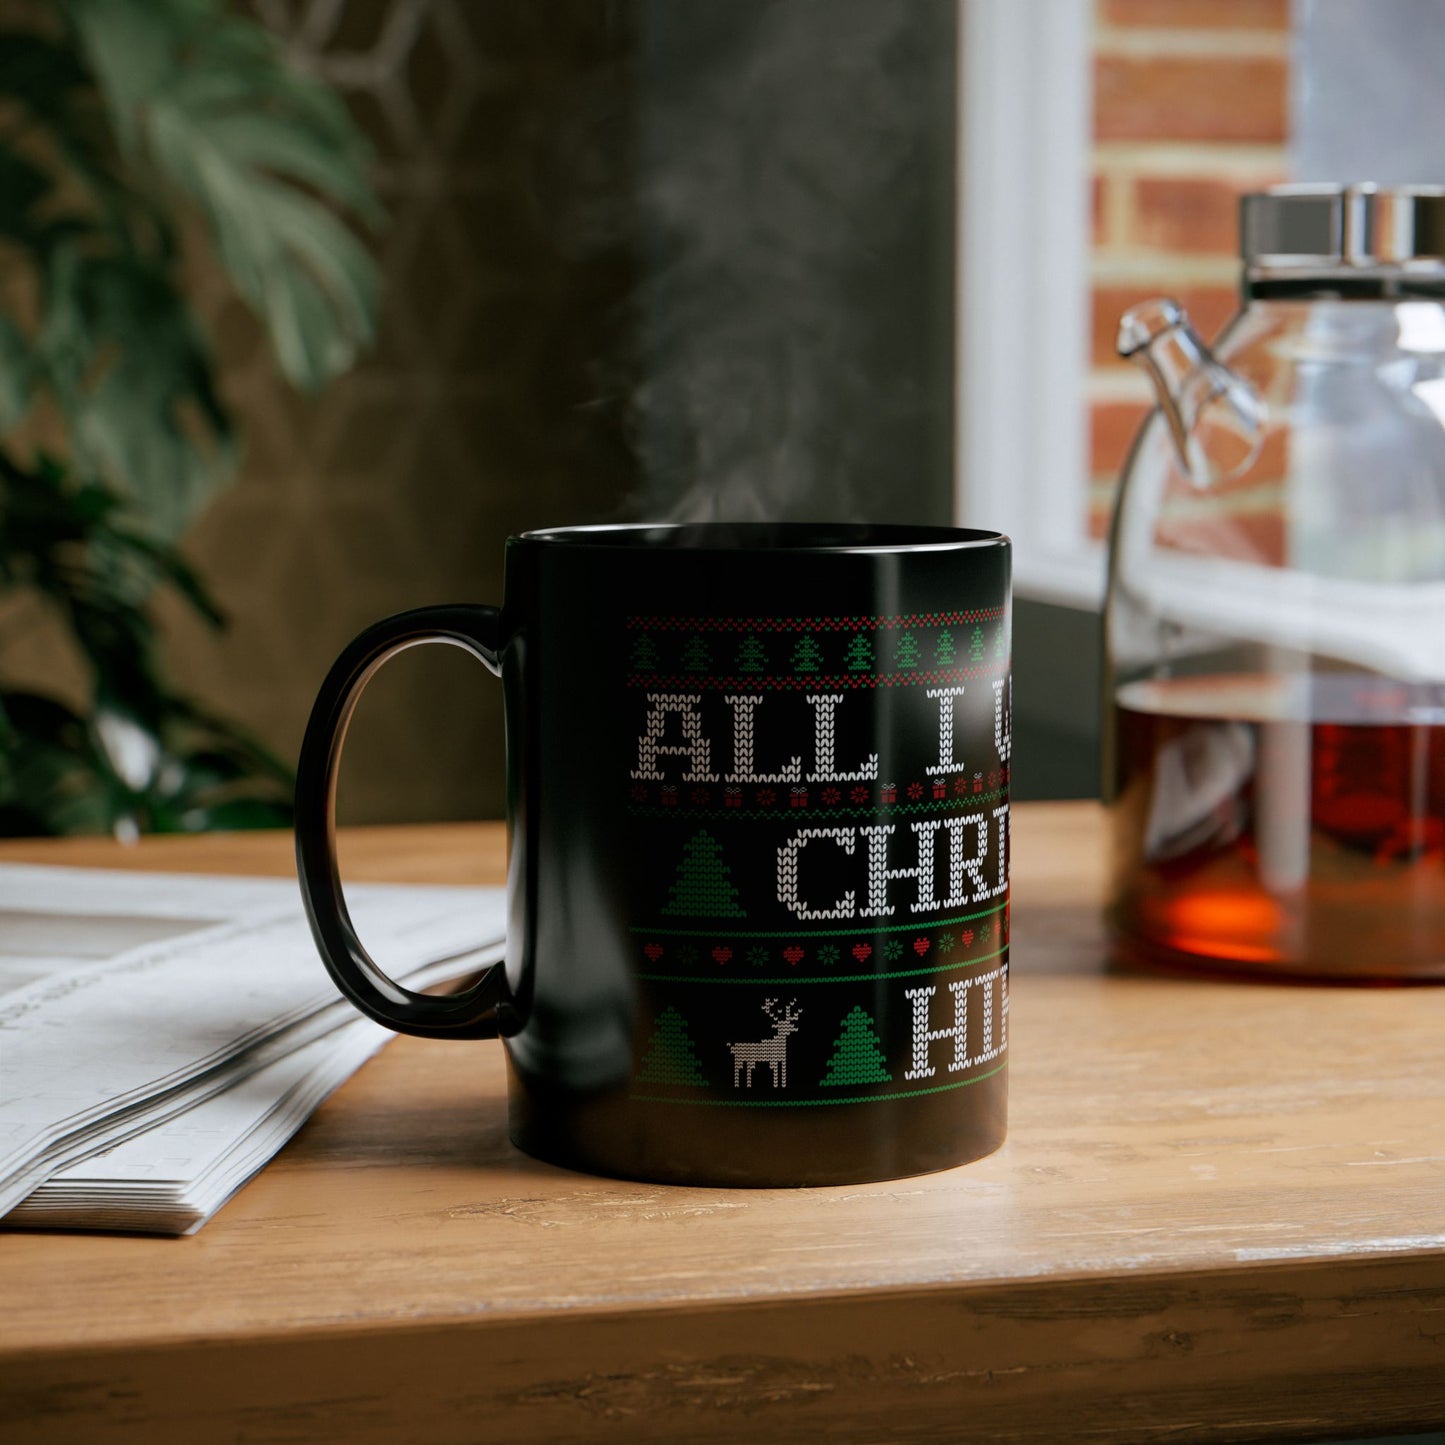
(1220, 1214)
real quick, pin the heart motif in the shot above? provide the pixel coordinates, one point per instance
(967, 936)
(793, 954)
(653, 952)
(920, 946)
(722, 953)
(862, 952)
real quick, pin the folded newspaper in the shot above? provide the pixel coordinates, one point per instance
(162, 1036)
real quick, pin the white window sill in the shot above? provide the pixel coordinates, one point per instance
(1025, 122)
(1064, 579)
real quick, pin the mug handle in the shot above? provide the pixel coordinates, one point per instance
(467, 1015)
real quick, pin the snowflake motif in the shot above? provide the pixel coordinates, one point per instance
(688, 955)
(983, 934)
(766, 798)
(915, 791)
(946, 942)
(960, 786)
(700, 796)
(758, 955)
(831, 796)
(829, 953)
(859, 794)
(639, 793)
(892, 950)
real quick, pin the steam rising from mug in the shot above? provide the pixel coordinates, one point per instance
(790, 332)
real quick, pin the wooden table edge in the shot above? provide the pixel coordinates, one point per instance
(1184, 1280)
(1182, 1349)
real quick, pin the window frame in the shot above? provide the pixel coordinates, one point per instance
(1025, 126)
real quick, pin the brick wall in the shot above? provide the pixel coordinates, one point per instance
(1190, 110)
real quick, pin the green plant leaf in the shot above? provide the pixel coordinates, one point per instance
(263, 151)
(236, 813)
(132, 374)
(54, 97)
(37, 72)
(124, 109)
(59, 774)
(49, 783)
(168, 565)
(237, 743)
(22, 186)
(17, 370)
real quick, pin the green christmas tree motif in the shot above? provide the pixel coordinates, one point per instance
(694, 655)
(946, 650)
(975, 645)
(857, 1054)
(907, 654)
(751, 657)
(644, 654)
(701, 888)
(807, 655)
(998, 643)
(860, 653)
(671, 1057)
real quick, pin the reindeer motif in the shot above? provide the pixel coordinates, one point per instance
(773, 1051)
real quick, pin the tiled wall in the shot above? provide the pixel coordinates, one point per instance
(1191, 109)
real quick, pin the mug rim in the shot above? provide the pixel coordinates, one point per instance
(765, 537)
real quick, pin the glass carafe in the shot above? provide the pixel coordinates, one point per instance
(1275, 624)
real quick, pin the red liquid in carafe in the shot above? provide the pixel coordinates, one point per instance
(1281, 825)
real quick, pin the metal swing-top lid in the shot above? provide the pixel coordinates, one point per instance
(1313, 228)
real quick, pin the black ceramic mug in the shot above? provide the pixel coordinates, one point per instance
(758, 878)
